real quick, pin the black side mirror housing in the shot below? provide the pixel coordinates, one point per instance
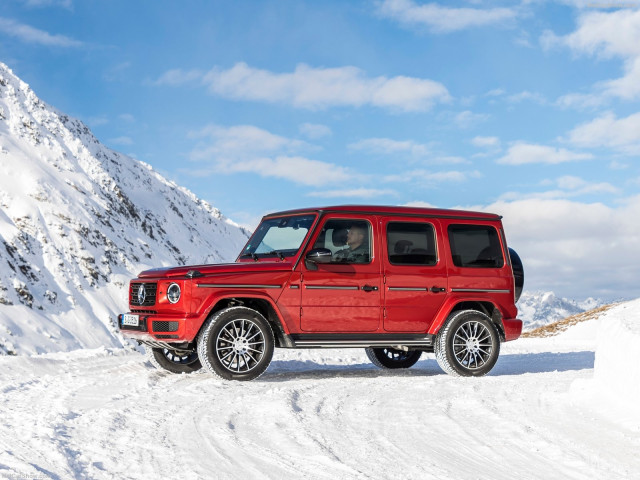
(317, 255)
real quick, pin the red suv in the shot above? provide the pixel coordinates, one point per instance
(396, 281)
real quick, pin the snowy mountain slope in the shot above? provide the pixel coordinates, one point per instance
(326, 414)
(537, 309)
(77, 220)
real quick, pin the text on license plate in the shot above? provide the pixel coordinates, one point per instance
(131, 320)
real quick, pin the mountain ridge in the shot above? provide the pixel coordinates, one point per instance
(537, 309)
(77, 220)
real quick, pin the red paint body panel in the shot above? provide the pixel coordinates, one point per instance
(333, 300)
(407, 309)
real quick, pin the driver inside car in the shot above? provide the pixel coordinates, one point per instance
(357, 250)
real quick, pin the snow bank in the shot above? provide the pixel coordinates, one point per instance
(615, 387)
(617, 369)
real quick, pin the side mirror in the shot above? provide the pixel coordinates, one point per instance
(318, 255)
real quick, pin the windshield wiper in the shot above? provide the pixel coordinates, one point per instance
(278, 253)
(252, 255)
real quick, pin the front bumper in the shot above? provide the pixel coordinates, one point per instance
(512, 328)
(154, 327)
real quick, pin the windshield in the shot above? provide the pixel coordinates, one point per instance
(280, 237)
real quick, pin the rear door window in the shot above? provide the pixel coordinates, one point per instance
(411, 243)
(475, 246)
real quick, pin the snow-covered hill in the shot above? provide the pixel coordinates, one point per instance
(537, 309)
(77, 220)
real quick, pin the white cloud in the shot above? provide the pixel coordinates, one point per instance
(581, 186)
(496, 92)
(177, 77)
(608, 131)
(29, 34)
(420, 204)
(575, 249)
(485, 142)
(353, 193)
(314, 131)
(241, 141)
(567, 186)
(535, 97)
(315, 88)
(439, 19)
(388, 146)
(297, 169)
(527, 153)
(581, 101)
(613, 34)
(468, 119)
(249, 149)
(433, 178)
(68, 4)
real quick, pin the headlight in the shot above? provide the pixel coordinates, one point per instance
(173, 293)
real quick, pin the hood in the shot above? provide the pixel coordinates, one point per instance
(204, 270)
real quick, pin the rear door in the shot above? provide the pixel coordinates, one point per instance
(415, 273)
(344, 295)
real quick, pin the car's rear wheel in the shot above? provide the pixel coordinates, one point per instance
(468, 344)
(392, 358)
(174, 361)
(236, 344)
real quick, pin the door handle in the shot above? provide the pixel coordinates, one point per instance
(369, 288)
(438, 289)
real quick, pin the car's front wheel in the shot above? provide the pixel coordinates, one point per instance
(174, 361)
(468, 344)
(392, 358)
(236, 344)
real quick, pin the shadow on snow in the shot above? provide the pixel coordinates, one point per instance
(514, 364)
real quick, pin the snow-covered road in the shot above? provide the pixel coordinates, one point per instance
(313, 414)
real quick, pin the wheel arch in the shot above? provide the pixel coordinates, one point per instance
(263, 305)
(481, 305)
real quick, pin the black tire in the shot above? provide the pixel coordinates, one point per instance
(236, 344)
(468, 344)
(392, 358)
(174, 361)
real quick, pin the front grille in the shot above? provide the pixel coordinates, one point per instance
(149, 294)
(166, 336)
(159, 326)
(147, 312)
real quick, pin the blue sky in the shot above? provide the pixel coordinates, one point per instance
(529, 109)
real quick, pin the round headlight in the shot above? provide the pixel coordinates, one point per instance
(173, 293)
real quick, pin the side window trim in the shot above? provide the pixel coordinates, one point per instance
(493, 247)
(369, 238)
(434, 243)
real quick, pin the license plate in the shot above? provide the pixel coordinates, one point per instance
(131, 320)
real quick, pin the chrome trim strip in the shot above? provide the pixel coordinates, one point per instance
(409, 289)
(230, 285)
(480, 290)
(360, 343)
(294, 286)
(326, 287)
